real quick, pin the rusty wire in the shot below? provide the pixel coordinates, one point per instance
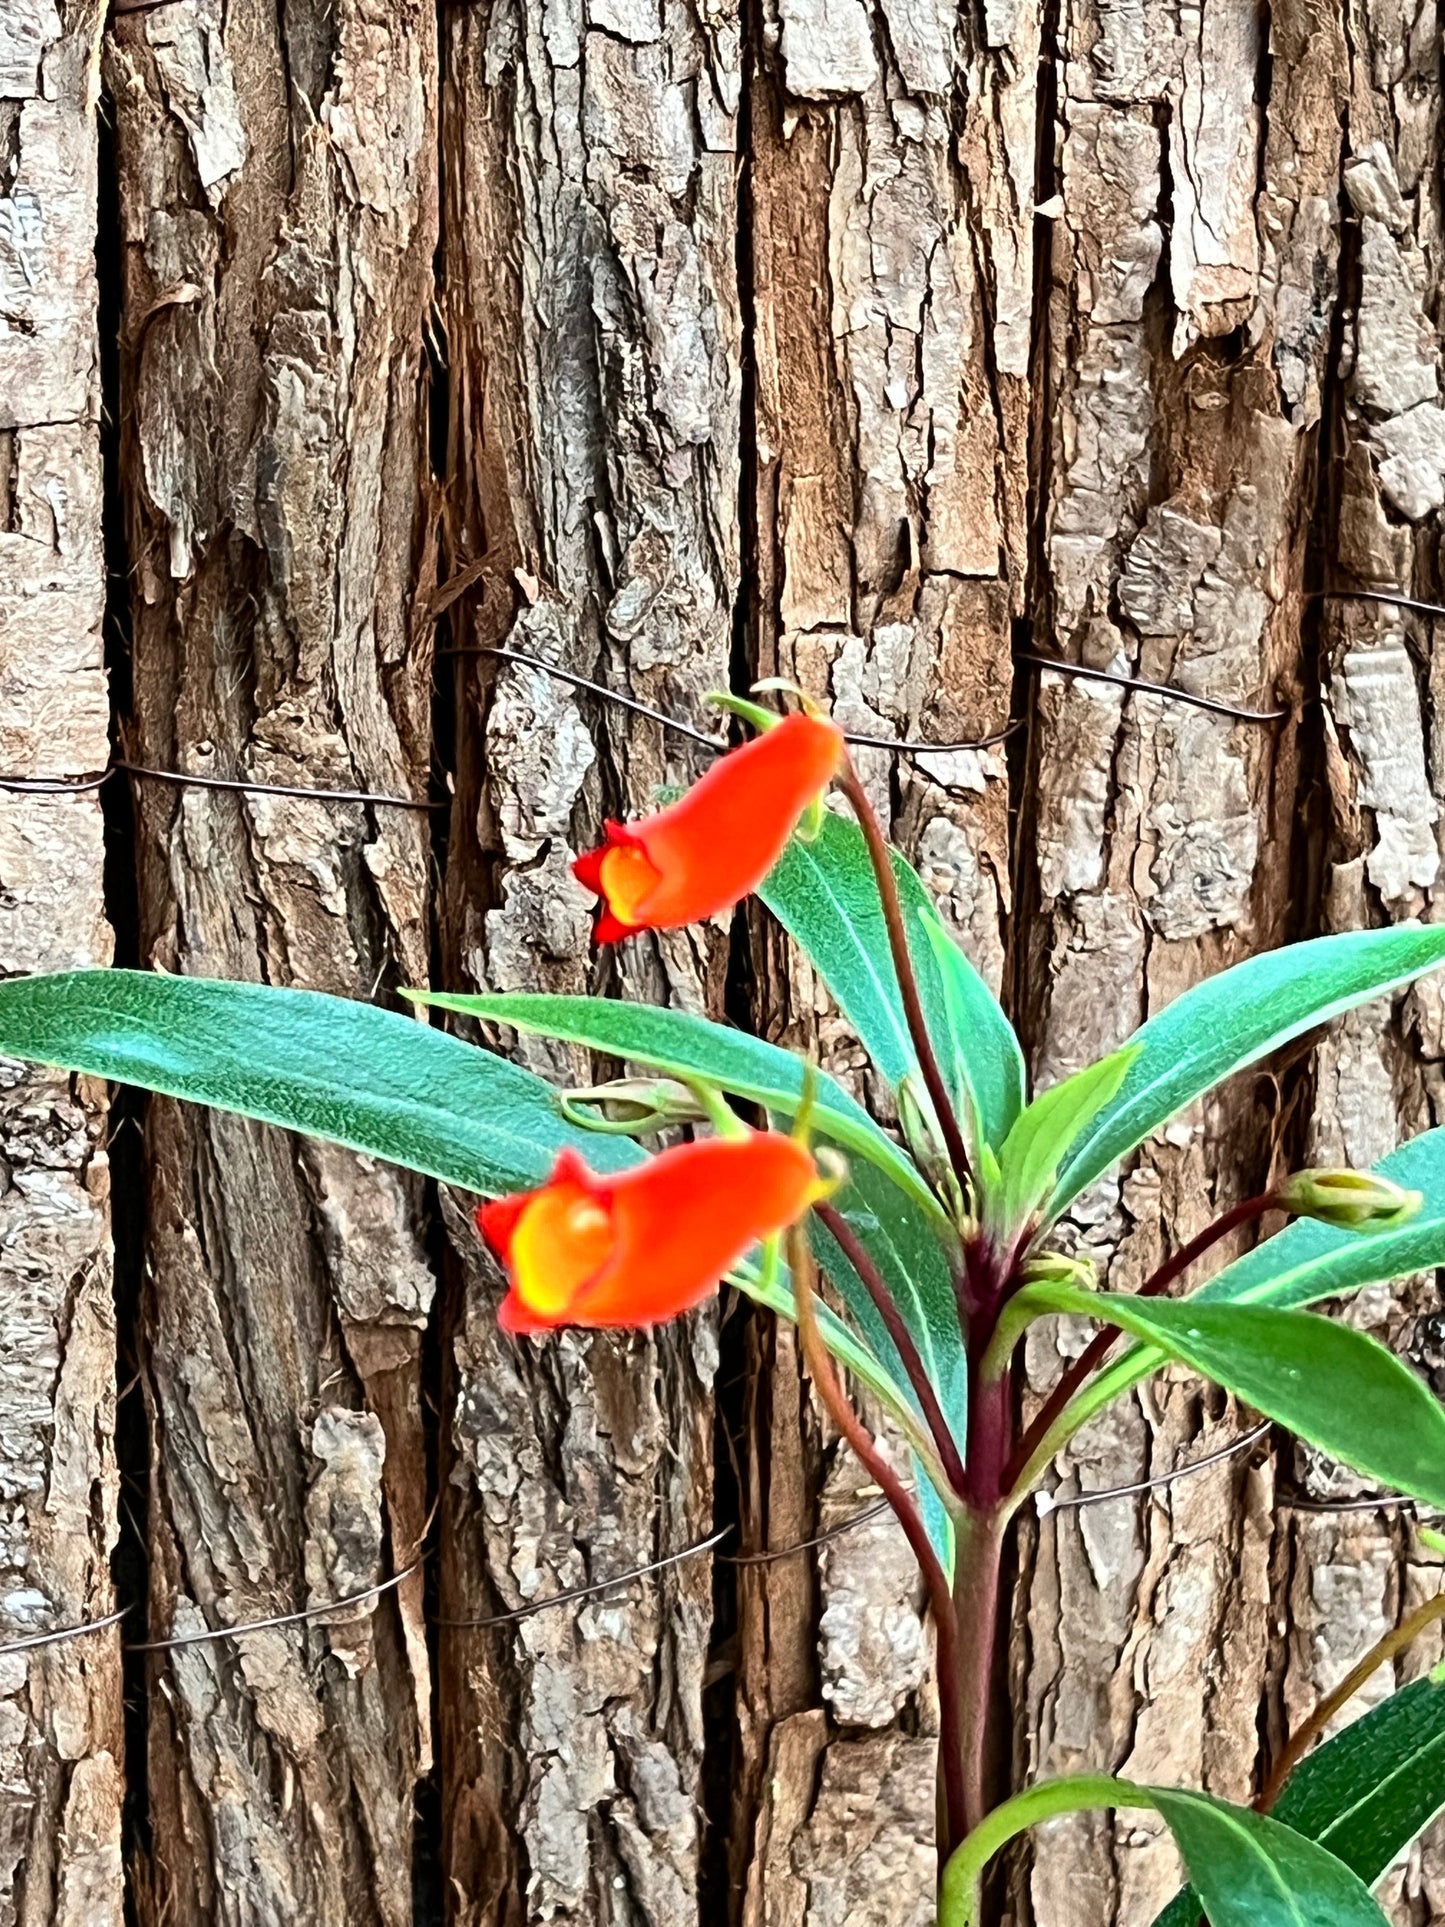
(574, 1594)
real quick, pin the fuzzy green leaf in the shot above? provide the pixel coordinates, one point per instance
(1040, 1140)
(1234, 1019)
(679, 1044)
(332, 1068)
(1252, 1871)
(825, 896)
(1330, 1385)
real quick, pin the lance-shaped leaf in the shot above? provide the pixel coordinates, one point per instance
(984, 1064)
(913, 1266)
(1330, 1385)
(825, 896)
(1366, 1793)
(680, 1044)
(1040, 1139)
(1232, 1020)
(1251, 1871)
(332, 1068)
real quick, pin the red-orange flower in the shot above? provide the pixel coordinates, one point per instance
(708, 850)
(642, 1246)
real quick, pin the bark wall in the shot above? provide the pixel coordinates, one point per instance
(60, 1706)
(877, 345)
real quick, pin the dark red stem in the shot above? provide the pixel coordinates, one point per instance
(820, 1366)
(853, 1250)
(879, 857)
(1099, 1347)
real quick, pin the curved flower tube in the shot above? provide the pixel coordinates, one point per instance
(644, 1245)
(711, 848)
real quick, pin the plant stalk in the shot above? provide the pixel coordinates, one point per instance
(888, 896)
(853, 1250)
(1099, 1347)
(820, 1367)
(978, 1564)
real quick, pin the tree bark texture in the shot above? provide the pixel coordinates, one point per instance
(872, 343)
(61, 1744)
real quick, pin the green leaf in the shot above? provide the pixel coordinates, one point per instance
(1366, 1793)
(984, 1066)
(1235, 1018)
(1249, 1870)
(915, 1268)
(824, 895)
(1308, 1260)
(1253, 1871)
(368, 1078)
(1040, 1140)
(679, 1044)
(1328, 1384)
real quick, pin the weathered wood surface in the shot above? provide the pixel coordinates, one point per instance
(61, 1744)
(874, 345)
(278, 212)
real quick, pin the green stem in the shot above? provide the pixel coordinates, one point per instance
(958, 1899)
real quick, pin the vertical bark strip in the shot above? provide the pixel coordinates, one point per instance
(60, 1709)
(278, 210)
(592, 322)
(891, 191)
(1379, 1072)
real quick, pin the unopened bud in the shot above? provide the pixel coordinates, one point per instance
(629, 1106)
(1056, 1268)
(1351, 1200)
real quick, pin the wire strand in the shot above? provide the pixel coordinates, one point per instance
(1167, 690)
(206, 1634)
(1076, 1501)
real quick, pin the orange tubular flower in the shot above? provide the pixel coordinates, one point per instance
(643, 1246)
(708, 850)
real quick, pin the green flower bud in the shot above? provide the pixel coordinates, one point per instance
(1055, 1268)
(632, 1106)
(1352, 1200)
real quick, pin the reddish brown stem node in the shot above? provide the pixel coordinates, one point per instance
(1099, 1347)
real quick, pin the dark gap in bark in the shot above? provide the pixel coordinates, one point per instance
(429, 1812)
(1033, 631)
(130, 1561)
(718, 1904)
(1007, 1893)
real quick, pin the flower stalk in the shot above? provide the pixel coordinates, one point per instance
(853, 1250)
(878, 856)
